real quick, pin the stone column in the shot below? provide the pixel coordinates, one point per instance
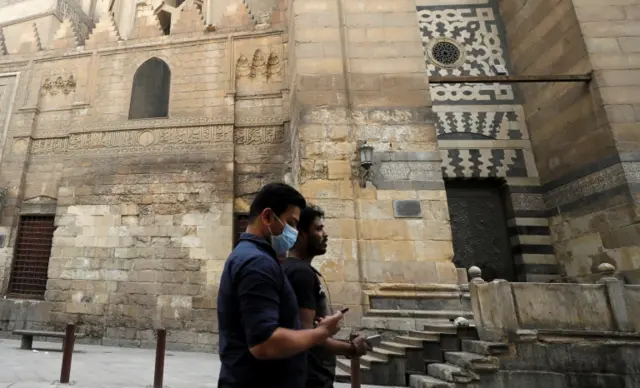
(358, 73)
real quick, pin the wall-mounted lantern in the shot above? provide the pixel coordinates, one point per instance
(366, 161)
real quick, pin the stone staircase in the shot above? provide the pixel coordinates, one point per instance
(439, 356)
(465, 368)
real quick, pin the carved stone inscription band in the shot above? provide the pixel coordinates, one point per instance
(139, 140)
(134, 140)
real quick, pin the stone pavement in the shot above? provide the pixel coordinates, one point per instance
(104, 367)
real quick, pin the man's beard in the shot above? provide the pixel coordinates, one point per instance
(317, 249)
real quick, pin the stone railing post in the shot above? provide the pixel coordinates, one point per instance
(494, 310)
(475, 278)
(616, 296)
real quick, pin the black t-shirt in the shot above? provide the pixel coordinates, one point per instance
(306, 284)
(254, 299)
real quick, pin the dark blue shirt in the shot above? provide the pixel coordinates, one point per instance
(254, 299)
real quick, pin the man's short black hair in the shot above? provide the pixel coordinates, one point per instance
(307, 216)
(278, 197)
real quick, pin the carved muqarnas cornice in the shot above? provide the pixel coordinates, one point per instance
(61, 84)
(260, 69)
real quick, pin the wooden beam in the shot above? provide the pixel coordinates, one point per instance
(509, 79)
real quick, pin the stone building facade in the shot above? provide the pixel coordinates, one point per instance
(134, 135)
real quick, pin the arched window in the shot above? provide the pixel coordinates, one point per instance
(150, 95)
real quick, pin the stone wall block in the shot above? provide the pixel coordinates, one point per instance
(30, 41)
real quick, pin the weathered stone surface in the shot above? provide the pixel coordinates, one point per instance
(146, 23)
(451, 373)
(568, 306)
(472, 361)
(417, 381)
(66, 37)
(485, 348)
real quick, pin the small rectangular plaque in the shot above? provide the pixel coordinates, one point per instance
(2, 238)
(407, 209)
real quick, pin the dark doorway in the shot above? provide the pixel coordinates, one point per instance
(479, 227)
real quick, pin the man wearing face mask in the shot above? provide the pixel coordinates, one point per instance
(262, 343)
(313, 300)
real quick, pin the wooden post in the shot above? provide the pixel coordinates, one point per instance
(161, 343)
(67, 353)
(355, 367)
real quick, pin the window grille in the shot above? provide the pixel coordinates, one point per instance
(28, 277)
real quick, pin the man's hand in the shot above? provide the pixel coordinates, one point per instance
(331, 323)
(361, 346)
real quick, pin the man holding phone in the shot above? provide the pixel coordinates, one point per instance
(262, 343)
(313, 300)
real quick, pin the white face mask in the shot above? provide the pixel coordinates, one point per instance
(286, 240)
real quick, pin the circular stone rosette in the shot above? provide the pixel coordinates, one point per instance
(445, 52)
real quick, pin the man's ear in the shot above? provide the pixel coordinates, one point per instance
(266, 215)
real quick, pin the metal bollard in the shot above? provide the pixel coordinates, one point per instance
(355, 367)
(160, 350)
(67, 353)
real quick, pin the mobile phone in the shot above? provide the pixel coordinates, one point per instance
(344, 310)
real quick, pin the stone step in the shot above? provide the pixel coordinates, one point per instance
(400, 347)
(472, 361)
(388, 350)
(410, 341)
(343, 376)
(429, 336)
(420, 381)
(345, 366)
(445, 327)
(451, 373)
(373, 358)
(484, 347)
